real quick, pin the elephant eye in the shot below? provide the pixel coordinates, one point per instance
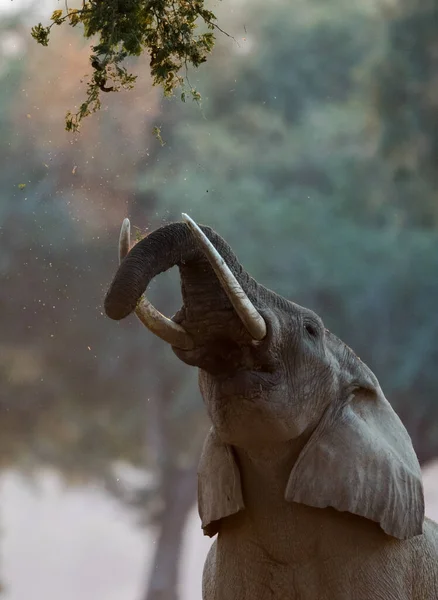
(311, 329)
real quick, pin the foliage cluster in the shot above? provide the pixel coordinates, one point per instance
(166, 29)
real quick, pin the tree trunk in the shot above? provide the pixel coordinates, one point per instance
(179, 492)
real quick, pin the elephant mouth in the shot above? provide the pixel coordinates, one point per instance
(238, 364)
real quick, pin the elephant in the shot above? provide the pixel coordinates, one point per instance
(307, 477)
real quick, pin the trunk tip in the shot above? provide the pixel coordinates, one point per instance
(116, 310)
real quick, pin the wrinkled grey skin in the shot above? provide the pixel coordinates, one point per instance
(307, 477)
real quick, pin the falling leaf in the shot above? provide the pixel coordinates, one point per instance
(29, 116)
(74, 169)
(21, 186)
(157, 133)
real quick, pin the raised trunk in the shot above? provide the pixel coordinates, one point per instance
(179, 497)
(207, 315)
(162, 249)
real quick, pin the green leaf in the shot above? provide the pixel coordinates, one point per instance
(41, 34)
(57, 17)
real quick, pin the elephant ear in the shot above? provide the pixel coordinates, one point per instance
(361, 460)
(219, 486)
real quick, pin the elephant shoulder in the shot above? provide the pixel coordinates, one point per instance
(431, 530)
(425, 550)
(209, 574)
(426, 545)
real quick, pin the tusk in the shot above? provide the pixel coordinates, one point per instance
(248, 314)
(161, 326)
(124, 239)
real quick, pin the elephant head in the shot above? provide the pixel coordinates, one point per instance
(270, 372)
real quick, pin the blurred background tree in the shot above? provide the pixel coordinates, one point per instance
(313, 153)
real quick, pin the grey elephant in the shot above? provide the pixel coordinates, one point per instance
(308, 477)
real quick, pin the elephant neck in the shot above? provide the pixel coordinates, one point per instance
(268, 523)
(279, 529)
(269, 468)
